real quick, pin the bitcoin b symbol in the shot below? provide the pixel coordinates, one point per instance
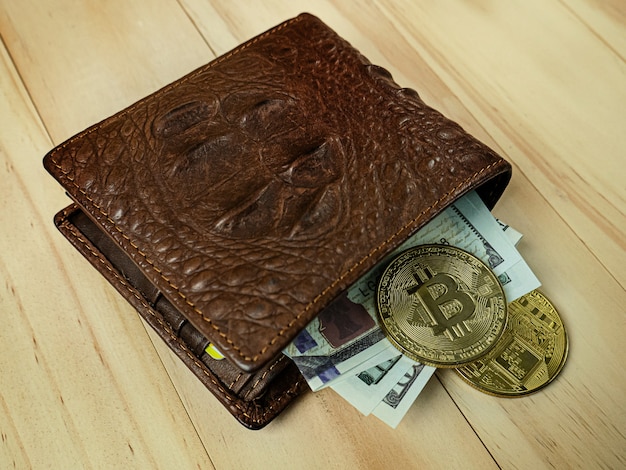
(441, 305)
(446, 305)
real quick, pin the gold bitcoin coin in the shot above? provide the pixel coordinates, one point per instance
(530, 354)
(441, 306)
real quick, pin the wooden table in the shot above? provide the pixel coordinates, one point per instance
(85, 384)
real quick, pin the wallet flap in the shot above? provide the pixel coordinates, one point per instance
(254, 190)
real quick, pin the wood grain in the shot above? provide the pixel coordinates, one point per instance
(79, 382)
(86, 384)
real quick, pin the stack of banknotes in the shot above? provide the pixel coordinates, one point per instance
(345, 349)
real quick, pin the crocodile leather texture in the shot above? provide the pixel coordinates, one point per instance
(253, 191)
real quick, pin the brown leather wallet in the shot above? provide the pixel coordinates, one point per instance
(233, 205)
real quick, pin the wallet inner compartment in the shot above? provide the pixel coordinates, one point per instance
(247, 386)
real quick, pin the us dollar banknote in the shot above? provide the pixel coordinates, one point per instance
(344, 338)
(386, 390)
(513, 235)
(467, 224)
(367, 388)
(399, 399)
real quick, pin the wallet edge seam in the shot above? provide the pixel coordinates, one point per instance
(69, 229)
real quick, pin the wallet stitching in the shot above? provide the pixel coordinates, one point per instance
(66, 175)
(235, 380)
(310, 304)
(105, 262)
(263, 376)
